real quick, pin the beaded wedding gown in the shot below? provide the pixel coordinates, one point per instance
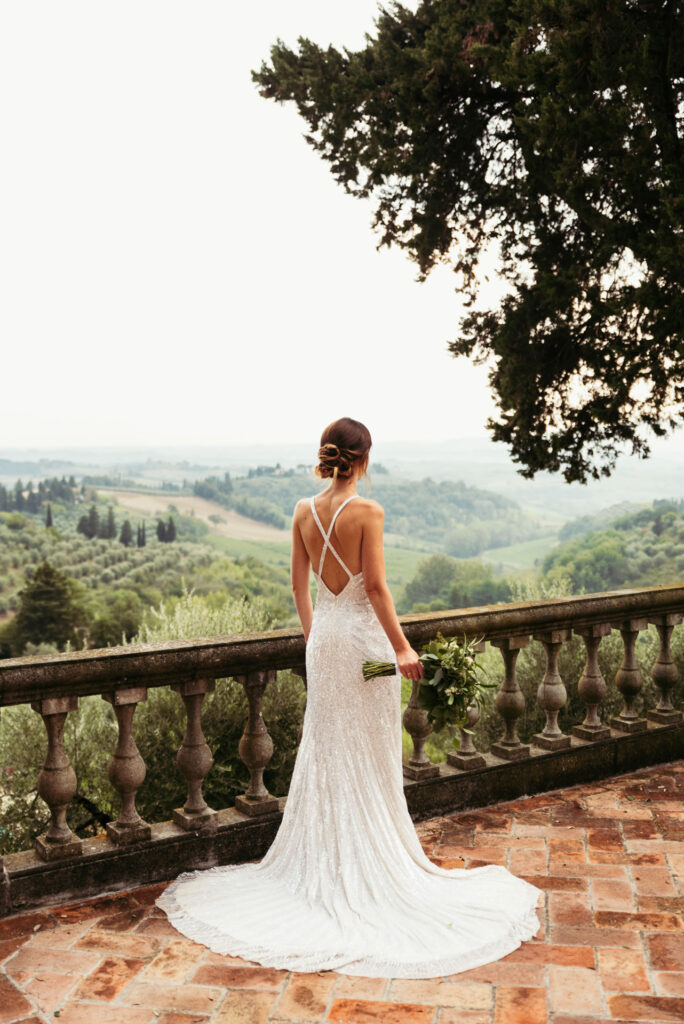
(346, 885)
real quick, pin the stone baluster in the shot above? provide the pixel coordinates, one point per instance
(510, 701)
(419, 765)
(127, 768)
(256, 747)
(628, 679)
(57, 781)
(551, 693)
(194, 758)
(665, 673)
(592, 686)
(467, 757)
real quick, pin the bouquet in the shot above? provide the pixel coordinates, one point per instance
(451, 681)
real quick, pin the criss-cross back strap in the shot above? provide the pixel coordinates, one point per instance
(326, 536)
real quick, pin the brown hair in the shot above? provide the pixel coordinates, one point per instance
(343, 443)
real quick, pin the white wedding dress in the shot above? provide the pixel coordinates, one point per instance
(346, 885)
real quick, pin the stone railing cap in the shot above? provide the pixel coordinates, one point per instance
(79, 673)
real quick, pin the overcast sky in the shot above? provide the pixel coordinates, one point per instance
(177, 264)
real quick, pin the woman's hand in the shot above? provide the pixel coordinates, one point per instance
(409, 664)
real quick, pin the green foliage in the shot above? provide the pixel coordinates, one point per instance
(50, 610)
(166, 532)
(614, 514)
(596, 562)
(126, 535)
(54, 490)
(549, 132)
(117, 618)
(444, 515)
(257, 508)
(15, 521)
(192, 616)
(105, 480)
(441, 582)
(89, 524)
(641, 548)
(223, 491)
(452, 681)
(548, 588)
(190, 527)
(121, 581)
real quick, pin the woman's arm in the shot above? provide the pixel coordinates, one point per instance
(373, 567)
(299, 574)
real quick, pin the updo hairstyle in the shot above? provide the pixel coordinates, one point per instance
(343, 443)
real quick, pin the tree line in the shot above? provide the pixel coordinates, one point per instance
(27, 498)
(222, 491)
(439, 515)
(641, 548)
(91, 525)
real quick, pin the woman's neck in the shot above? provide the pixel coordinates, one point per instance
(343, 487)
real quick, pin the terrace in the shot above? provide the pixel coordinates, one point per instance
(81, 937)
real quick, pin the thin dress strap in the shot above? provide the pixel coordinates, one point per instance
(327, 546)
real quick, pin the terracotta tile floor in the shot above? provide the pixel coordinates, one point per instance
(610, 947)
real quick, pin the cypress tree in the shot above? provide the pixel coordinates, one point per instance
(111, 523)
(144, 538)
(161, 530)
(126, 536)
(48, 515)
(19, 496)
(170, 530)
(93, 522)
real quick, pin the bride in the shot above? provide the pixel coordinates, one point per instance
(345, 885)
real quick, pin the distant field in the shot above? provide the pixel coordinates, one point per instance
(233, 524)
(237, 535)
(270, 552)
(400, 563)
(519, 556)
(400, 567)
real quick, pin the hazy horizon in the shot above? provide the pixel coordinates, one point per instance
(478, 462)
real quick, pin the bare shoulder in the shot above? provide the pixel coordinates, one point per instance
(369, 509)
(301, 508)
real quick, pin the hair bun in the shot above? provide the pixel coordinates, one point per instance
(334, 460)
(337, 458)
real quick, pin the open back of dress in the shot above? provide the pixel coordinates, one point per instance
(327, 543)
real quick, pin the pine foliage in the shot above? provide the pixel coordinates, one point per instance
(547, 133)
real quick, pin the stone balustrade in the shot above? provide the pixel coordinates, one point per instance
(133, 850)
